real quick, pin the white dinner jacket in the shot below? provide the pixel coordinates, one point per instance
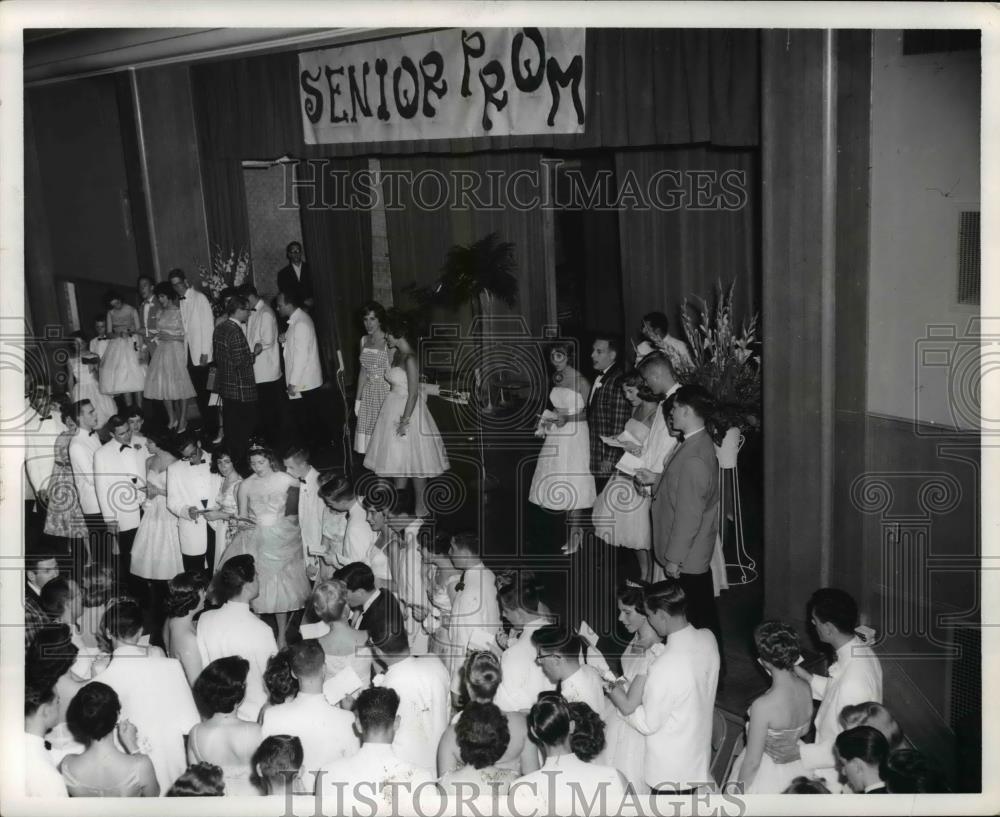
(187, 486)
(311, 511)
(120, 482)
(39, 447)
(262, 328)
(522, 678)
(199, 324)
(81, 457)
(677, 709)
(301, 354)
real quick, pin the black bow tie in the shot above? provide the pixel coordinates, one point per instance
(195, 463)
(92, 433)
(49, 417)
(461, 583)
(302, 480)
(182, 298)
(47, 745)
(125, 448)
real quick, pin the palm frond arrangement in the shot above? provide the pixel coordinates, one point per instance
(727, 363)
(481, 271)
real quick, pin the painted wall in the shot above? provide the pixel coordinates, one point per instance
(925, 169)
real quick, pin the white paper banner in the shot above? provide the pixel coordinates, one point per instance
(446, 85)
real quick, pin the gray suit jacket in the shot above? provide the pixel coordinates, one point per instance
(685, 505)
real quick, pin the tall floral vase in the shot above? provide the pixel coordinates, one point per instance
(744, 569)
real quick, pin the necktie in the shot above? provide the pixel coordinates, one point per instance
(461, 583)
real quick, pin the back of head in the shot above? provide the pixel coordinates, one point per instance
(777, 643)
(98, 585)
(93, 712)
(276, 763)
(656, 363)
(864, 743)
(667, 595)
(199, 780)
(697, 398)
(122, 620)
(632, 594)
(549, 719)
(329, 600)
(482, 675)
(521, 592)
(467, 542)
(833, 606)
(36, 697)
(482, 734)
(376, 708)
(356, 576)
(308, 661)
(338, 489)
(587, 740)
(806, 785)
(278, 679)
(658, 322)
(222, 685)
(908, 772)
(50, 655)
(872, 713)
(229, 580)
(55, 596)
(184, 592)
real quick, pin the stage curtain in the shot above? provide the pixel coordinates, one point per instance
(338, 245)
(668, 256)
(644, 87)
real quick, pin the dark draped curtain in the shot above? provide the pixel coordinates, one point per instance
(669, 256)
(338, 243)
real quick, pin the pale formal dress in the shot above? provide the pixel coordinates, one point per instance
(225, 529)
(236, 774)
(625, 746)
(156, 553)
(275, 542)
(121, 370)
(772, 777)
(621, 513)
(562, 480)
(420, 451)
(86, 387)
(63, 515)
(167, 377)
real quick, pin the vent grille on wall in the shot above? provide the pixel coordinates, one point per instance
(966, 679)
(968, 257)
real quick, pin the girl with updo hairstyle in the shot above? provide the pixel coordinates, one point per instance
(223, 738)
(568, 769)
(199, 780)
(872, 713)
(483, 736)
(102, 769)
(778, 718)
(479, 679)
(280, 683)
(276, 766)
(342, 644)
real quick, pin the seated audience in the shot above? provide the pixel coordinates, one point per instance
(103, 770)
(200, 780)
(223, 739)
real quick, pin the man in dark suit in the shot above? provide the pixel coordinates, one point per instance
(685, 507)
(234, 380)
(40, 566)
(296, 278)
(607, 408)
(374, 610)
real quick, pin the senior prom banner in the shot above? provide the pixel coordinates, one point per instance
(445, 85)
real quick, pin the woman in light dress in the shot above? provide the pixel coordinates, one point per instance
(185, 600)
(82, 366)
(167, 378)
(223, 738)
(372, 385)
(479, 680)
(481, 737)
(440, 579)
(562, 480)
(626, 746)
(121, 372)
(268, 529)
(405, 443)
(223, 517)
(343, 645)
(778, 718)
(156, 554)
(621, 512)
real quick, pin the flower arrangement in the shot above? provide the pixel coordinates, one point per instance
(727, 363)
(227, 272)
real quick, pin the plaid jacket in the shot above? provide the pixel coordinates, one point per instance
(34, 616)
(607, 413)
(234, 378)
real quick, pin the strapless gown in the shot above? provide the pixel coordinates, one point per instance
(562, 480)
(772, 777)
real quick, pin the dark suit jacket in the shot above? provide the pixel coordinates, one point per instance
(686, 505)
(233, 359)
(383, 618)
(607, 413)
(34, 616)
(287, 282)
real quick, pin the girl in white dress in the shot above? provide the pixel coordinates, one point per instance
(778, 718)
(626, 746)
(562, 480)
(621, 513)
(406, 443)
(121, 372)
(223, 519)
(343, 645)
(81, 368)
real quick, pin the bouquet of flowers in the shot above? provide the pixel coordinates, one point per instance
(227, 272)
(727, 363)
